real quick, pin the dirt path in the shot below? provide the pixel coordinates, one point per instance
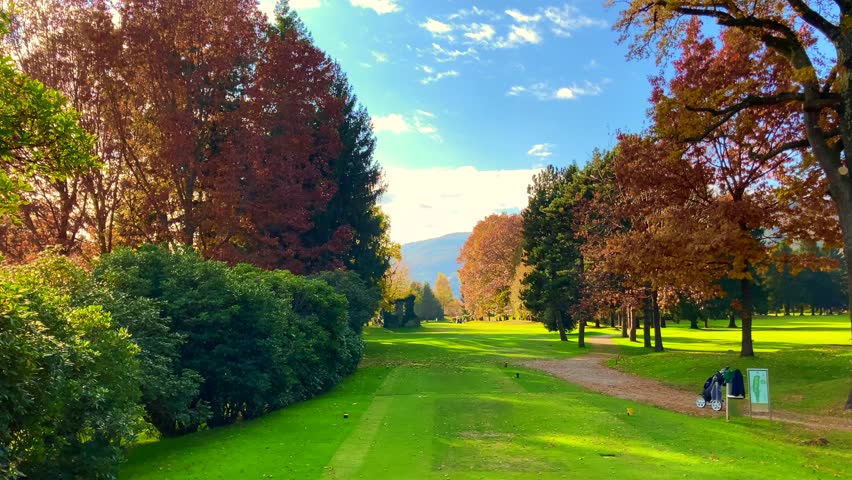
(590, 371)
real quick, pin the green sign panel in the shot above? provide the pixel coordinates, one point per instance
(758, 384)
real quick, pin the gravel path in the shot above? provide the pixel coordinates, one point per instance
(590, 371)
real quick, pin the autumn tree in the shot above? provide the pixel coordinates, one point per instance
(444, 292)
(75, 47)
(708, 204)
(41, 146)
(818, 87)
(488, 260)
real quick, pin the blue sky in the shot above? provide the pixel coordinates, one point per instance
(469, 98)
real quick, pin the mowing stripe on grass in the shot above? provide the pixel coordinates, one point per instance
(350, 455)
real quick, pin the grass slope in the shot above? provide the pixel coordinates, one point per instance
(437, 403)
(809, 359)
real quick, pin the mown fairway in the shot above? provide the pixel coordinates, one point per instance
(809, 358)
(437, 403)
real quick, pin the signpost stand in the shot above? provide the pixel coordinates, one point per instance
(758, 391)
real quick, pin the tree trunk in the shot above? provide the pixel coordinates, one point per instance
(745, 316)
(801, 310)
(646, 324)
(849, 400)
(786, 309)
(612, 319)
(706, 324)
(581, 337)
(597, 323)
(732, 320)
(693, 323)
(632, 320)
(562, 336)
(658, 334)
(621, 317)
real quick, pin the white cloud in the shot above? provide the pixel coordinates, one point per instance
(268, 6)
(379, 56)
(394, 123)
(516, 90)
(436, 27)
(520, 17)
(540, 150)
(480, 32)
(425, 113)
(439, 76)
(519, 35)
(380, 6)
(428, 203)
(564, 93)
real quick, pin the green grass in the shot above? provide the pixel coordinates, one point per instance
(809, 359)
(437, 403)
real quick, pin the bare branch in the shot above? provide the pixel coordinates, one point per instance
(816, 20)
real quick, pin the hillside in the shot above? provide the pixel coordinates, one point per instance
(428, 257)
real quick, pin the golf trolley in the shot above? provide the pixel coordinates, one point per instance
(713, 392)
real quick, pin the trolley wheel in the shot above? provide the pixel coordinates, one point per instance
(700, 402)
(716, 405)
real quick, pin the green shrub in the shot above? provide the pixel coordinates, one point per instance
(259, 340)
(364, 299)
(69, 381)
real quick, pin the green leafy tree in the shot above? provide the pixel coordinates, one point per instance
(364, 299)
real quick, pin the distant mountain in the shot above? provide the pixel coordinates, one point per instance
(426, 258)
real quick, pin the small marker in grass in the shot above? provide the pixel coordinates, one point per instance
(505, 364)
(345, 415)
(517, 375)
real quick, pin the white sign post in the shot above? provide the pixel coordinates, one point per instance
(758, 391)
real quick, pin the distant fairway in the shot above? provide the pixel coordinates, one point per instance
(437, 403)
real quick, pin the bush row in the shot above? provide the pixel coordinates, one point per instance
(164, 339)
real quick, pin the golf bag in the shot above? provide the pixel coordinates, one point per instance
(713, 388)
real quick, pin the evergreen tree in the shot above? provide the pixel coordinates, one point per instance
(552, 251)
(427, 306)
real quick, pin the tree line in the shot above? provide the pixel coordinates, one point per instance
(190, 229)
(746, 150)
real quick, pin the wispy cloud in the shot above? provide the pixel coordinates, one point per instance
(520, 17)
(541, 150)
(519, 35)
(420, 121)
(543, 91)
(379, 56)
(568, 19)
(379, 6)
(513, 28)
(480, 32)
(448, 54)
(438, 76)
